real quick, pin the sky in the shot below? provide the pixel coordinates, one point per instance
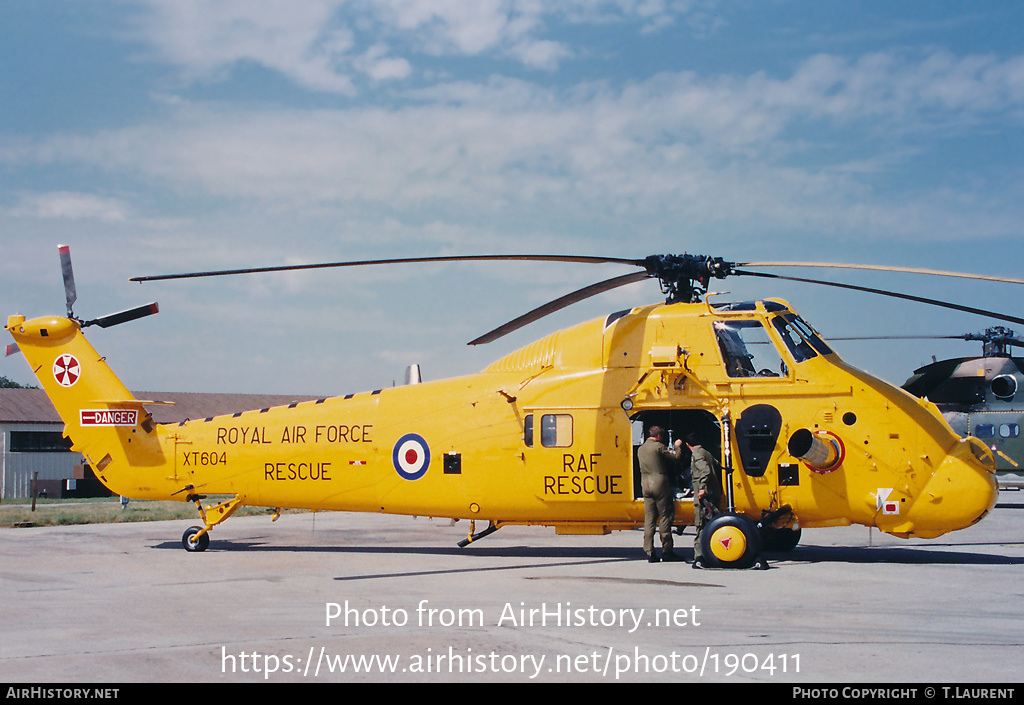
(159, 136)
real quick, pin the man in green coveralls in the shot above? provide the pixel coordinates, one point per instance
(659, 495)
(705, 486)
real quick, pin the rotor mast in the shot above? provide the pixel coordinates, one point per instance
(685, 278)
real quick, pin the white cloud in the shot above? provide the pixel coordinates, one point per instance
(208, 38)
(940, 86)
(540, 54)
(704, 151)
(323, 45)
(380, 67)
(466, 26)
(65, 205)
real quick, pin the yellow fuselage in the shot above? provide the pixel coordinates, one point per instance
(545, 435)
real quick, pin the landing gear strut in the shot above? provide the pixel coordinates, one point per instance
(491, 528)
(196, 539)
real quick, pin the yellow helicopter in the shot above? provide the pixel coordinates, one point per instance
(546, 434)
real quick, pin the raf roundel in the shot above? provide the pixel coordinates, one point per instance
(411, 456)
(66, 370)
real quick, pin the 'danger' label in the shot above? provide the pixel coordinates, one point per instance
(108, 417)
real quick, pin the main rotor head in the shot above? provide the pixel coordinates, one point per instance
(996, 340)
(685, 278)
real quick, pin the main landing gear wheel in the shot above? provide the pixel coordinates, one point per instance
(193, 544)
(731, 541)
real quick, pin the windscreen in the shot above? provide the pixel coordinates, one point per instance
(800, 338)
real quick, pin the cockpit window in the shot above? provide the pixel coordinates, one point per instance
(799, 337)
(799, 348)
(747, 350)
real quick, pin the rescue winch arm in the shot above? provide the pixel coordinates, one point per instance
(689, 374)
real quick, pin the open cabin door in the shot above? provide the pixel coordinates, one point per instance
(677, 424)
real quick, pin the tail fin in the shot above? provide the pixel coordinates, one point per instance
(101, 417)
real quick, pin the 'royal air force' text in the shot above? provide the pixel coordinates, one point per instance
(259, 435)
(579, 473)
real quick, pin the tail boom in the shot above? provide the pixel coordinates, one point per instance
(104, 421)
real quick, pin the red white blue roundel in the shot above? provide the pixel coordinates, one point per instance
(411, 456)
(66, 370)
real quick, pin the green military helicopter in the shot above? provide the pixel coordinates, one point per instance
(982, 396)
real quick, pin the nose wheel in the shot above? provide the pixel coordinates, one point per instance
(195, 539)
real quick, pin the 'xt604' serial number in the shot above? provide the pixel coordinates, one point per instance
(204, 458)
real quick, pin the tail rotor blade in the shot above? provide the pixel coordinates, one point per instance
(71, 295)
(124, 316)
(12, 349)
(69, 277)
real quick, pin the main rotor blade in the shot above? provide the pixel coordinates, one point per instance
(560, 303)
(70, 294)
(893, 294)
(406, 260)
(880, 268)
(897, 337)
(123, 316)
(553, 258)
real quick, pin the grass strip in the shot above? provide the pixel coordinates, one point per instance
(63, 512)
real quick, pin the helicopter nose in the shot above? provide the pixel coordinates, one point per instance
(961, 492)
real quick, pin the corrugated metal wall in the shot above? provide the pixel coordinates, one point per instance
(16, 468)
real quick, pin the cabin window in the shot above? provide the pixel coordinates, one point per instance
(985, 430)
(747, 350)
(1009, 430)
(966, 390)
(555, 430)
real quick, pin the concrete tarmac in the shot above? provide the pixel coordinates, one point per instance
(343, 597)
